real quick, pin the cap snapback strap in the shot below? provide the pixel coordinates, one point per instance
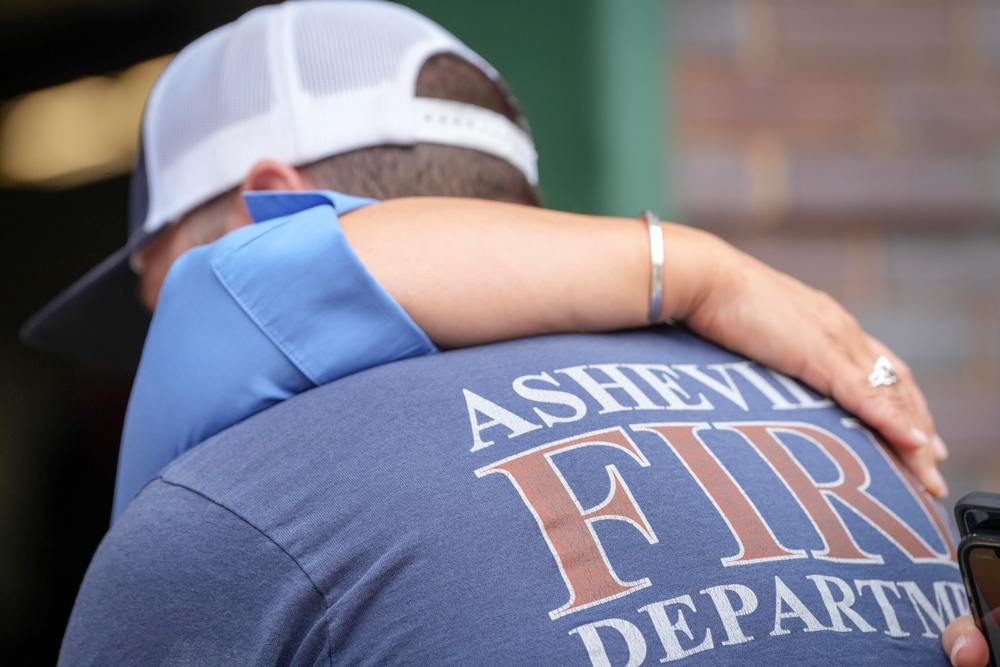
(467, 126)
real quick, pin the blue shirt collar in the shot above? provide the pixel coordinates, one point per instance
(268, 205)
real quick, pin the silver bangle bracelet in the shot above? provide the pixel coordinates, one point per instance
(656, 257)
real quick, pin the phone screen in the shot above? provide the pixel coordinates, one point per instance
(984, 564)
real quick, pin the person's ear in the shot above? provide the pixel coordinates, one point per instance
(265, 175)
(271, 175)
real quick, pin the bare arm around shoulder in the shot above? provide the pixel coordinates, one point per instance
(472, 272)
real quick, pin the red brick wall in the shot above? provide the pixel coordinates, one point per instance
(856, 145)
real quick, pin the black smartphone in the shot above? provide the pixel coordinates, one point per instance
(978, 518)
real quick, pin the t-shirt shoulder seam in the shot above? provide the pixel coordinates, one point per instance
(291, 557)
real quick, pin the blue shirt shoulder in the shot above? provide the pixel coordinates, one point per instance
(262, 314)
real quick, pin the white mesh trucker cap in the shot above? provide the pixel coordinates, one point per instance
(295, 82)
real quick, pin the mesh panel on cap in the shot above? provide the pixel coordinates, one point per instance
(329, 46)
(196, 103)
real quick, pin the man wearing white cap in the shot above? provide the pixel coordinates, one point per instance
(289, 301)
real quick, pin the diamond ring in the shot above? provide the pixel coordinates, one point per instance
(884, 373)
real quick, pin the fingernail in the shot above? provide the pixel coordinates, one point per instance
(940, 449)
(935, 483)
(956, 647)
(919, 435)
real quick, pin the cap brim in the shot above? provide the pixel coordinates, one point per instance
(99, 318)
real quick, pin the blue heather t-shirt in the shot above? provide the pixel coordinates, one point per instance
(262, 314)
(629, 499)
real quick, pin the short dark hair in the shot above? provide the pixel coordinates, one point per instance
(387, 172)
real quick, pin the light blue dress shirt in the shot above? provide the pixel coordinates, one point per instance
(264, 313)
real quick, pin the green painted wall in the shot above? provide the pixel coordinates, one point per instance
(631, 114)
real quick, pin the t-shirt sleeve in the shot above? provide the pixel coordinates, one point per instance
(181, 580)
(265, 313)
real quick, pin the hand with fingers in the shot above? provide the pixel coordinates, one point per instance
(777, 320)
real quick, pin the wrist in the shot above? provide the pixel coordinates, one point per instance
(694, 266)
